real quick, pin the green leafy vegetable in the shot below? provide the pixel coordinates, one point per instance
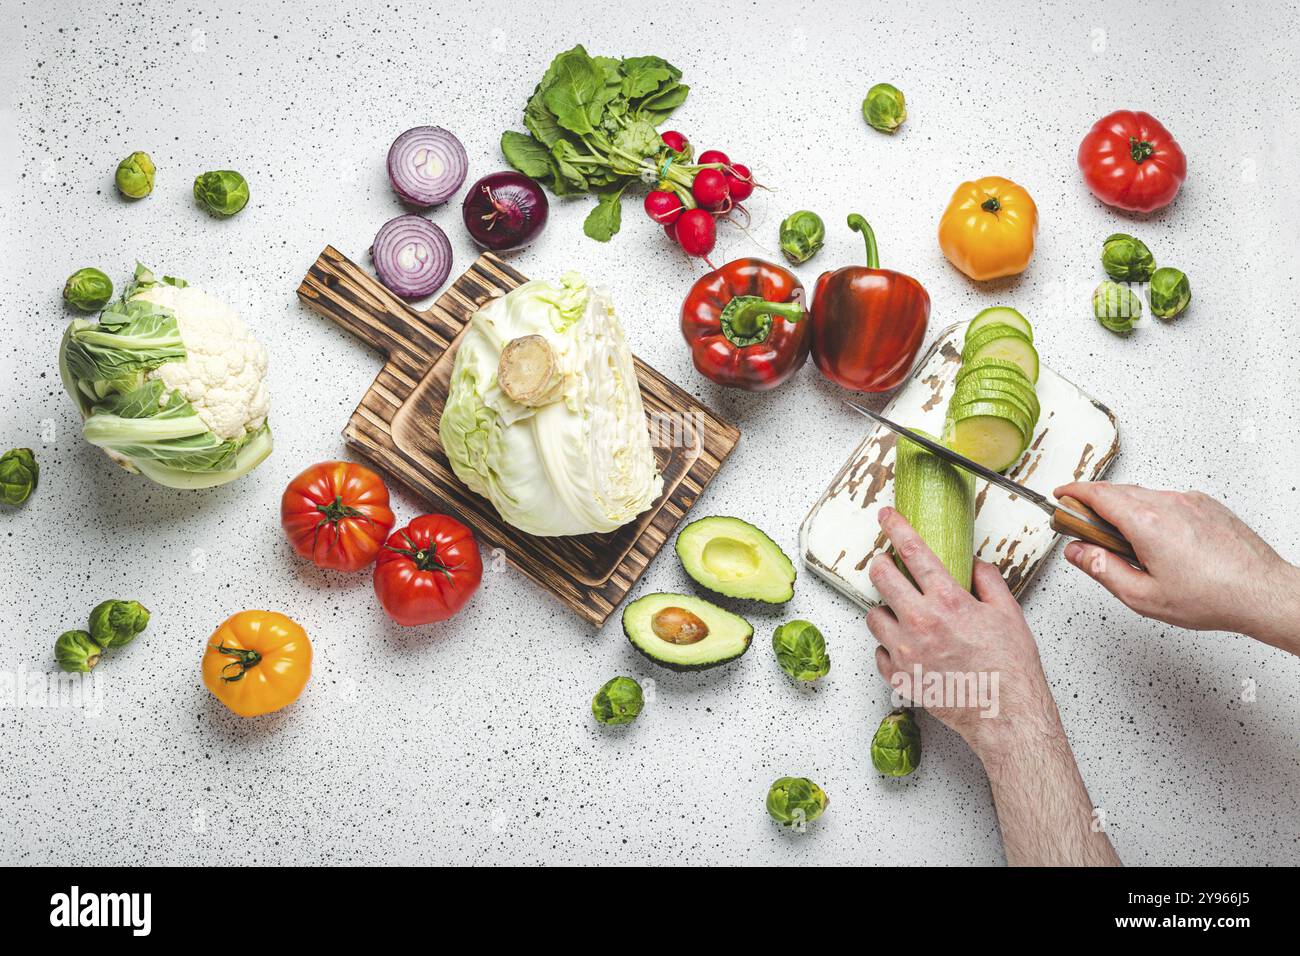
(794, 801)
(18, 475)
(134, 176)
(1170, 292)
(1127, 258)
(76, 653)
(593, 124)
(222, 192)
(802, 235)
(884, 107)
(1116, 307)
(619, 701)
(88, 290)
(801, 650)
(115, 623)
(896, 748)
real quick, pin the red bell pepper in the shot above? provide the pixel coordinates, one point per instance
(868, 322)
(746, 325)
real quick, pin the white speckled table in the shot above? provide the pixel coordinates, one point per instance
(472, 741)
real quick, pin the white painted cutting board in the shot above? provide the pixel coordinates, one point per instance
(1076, 439)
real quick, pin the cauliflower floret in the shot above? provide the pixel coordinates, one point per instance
(223, 373)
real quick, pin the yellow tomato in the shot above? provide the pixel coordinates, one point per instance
(989, 227)
(257, 662)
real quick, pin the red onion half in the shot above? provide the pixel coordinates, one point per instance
(412, 256)
(426, 165)
(505, 211)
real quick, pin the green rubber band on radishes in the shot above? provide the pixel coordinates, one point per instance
(663, 170)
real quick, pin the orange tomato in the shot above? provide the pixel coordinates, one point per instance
(257, 662)
(988, 229)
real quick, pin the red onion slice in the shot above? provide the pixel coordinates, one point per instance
(412, 256)
(426, 165)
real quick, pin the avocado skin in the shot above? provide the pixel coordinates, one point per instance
(713, 585)
(674, 665)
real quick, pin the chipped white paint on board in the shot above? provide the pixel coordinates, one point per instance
(1076, 439)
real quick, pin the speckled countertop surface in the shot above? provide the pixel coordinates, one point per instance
(472, 741)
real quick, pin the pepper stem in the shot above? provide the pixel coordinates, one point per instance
(747, 319)
(1140, 149)
(858, 224)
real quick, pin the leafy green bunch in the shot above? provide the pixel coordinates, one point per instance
(593, 121)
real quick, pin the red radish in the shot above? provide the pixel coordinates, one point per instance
(713, 156)
(675, 141)
(696, 233)
(740, 182)
(710, 189)
(670, 230)
(663, 207)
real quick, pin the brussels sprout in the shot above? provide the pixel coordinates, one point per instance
(896, 748)
(76, 653)
(222, 192)
(115, 623)
(1116, 307)
(88, 290)
(135, 176)
(18, 475)
(1127, 259)
(1169, 292)
(802, 236)
(801, 650)
(794, 801)
(884, 108)
(618, 702)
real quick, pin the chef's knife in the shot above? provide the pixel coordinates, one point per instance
(1069, 516)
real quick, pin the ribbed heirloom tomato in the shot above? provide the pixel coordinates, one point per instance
(336, 515)
(427, 570)
(257, 662)
(1130, 160)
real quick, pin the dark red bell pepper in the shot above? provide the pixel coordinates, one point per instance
(746, 325)
(867, 322)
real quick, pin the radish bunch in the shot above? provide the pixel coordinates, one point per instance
(688, 198)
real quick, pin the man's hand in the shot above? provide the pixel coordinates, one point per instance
(1043, 807)
(947, 630)
(1203, 568)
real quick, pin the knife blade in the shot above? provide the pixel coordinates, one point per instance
(1068, 515)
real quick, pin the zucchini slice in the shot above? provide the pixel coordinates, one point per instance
(938, 500)
(992, 441)
(996, 409)
(991, 366)
(997, 390)
(1010, 348)
(1000, 314)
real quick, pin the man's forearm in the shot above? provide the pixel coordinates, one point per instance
(1043, 807)
(1277, 621)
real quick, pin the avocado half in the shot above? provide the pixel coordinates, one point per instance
(735, 559)
(726, 636)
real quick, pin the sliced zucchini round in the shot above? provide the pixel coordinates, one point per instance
(1011, 348)
(997, 409)
(990, 440)
(990, 365)
(997, 390)
(1000, 314)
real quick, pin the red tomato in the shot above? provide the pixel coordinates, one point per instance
(427, 570)
(1129, 160)
(336, 515)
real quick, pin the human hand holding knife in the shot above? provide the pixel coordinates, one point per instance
(1069, 516)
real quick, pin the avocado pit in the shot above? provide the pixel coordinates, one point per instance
(676, 625)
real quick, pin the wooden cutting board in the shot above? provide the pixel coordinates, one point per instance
(396, 428)
(1077, 438)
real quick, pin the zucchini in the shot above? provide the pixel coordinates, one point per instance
(996, 390)
(1011, 348)
(996, 408)
(993, 367)
(986, 335)
(991, 440)
(1001, 314)
(938, 500)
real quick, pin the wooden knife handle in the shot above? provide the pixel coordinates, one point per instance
(1096, 530)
